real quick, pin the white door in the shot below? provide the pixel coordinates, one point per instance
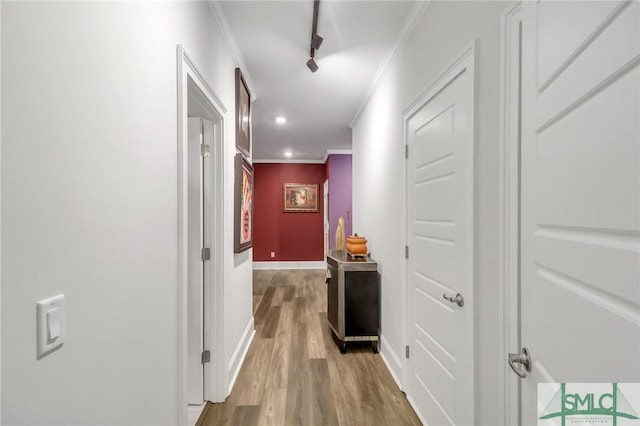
(439, 135)
(580, 211)
(199, 194)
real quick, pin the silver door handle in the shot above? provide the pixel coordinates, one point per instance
(524, 358)
(457, 299)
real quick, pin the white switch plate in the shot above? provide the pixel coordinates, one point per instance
(50, 324)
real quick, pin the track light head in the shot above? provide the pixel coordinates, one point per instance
(316, 41)
(311, 64)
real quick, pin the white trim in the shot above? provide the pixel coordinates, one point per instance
(215, 377)
(286, 161)
(335, 152)
(391, 360)
(240, 353)
(195, 411)
(320, 264)
(232, 45)
(323, 160)
(415, 410)
(508, 219)
(214, 373)
(410, 23)
(201, 81)
(458, 65)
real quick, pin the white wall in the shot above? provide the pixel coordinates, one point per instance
(89, 205)
(443, 32)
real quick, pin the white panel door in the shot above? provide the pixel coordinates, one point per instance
(195, 225)
(580, 211)
(440, 232)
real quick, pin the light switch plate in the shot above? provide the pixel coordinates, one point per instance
(50, 325)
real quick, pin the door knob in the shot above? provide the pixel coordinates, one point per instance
(457, 299)
(524, 358)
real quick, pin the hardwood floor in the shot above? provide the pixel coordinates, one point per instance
(294, 373)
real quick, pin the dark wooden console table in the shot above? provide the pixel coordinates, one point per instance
(353, 299)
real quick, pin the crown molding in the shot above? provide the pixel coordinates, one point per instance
(232, 45)
(287, 161)
(339, 152)
(335, 152)
(323, 160)
(410, 23)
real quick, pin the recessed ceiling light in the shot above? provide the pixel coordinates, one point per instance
(281, 120)
(288, 154)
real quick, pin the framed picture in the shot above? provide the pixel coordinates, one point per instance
(243, 115)
(299, 197)
(243, 204)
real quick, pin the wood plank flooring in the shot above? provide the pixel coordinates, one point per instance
(294, 374)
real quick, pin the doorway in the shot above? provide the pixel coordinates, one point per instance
(439, 134)
(325, 192)
(201, 370)
(200, 172)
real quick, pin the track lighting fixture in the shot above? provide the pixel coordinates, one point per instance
(311, 64)
(316, 40)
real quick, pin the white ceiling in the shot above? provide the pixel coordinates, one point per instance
(273, 40)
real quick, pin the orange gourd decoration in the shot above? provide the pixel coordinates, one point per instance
(356, 246)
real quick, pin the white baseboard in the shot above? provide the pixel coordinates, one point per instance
(415, 410)
(391, 360)
(240, 353)
(320, 264)
(195, 411)
(394, 365)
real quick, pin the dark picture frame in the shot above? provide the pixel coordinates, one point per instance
(243, 204)
(300, 197)
(243, 115)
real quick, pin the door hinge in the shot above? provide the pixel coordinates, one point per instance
(406, 252)
(406, 151)
(204, 150)
(205, 254)
(406, 351)
(206, 357)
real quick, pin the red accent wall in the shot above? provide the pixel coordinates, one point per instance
(292, 236)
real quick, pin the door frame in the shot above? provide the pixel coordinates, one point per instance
(326, 225)
(465, 60)
(196, 222)
(509, 210)
(192, 84)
